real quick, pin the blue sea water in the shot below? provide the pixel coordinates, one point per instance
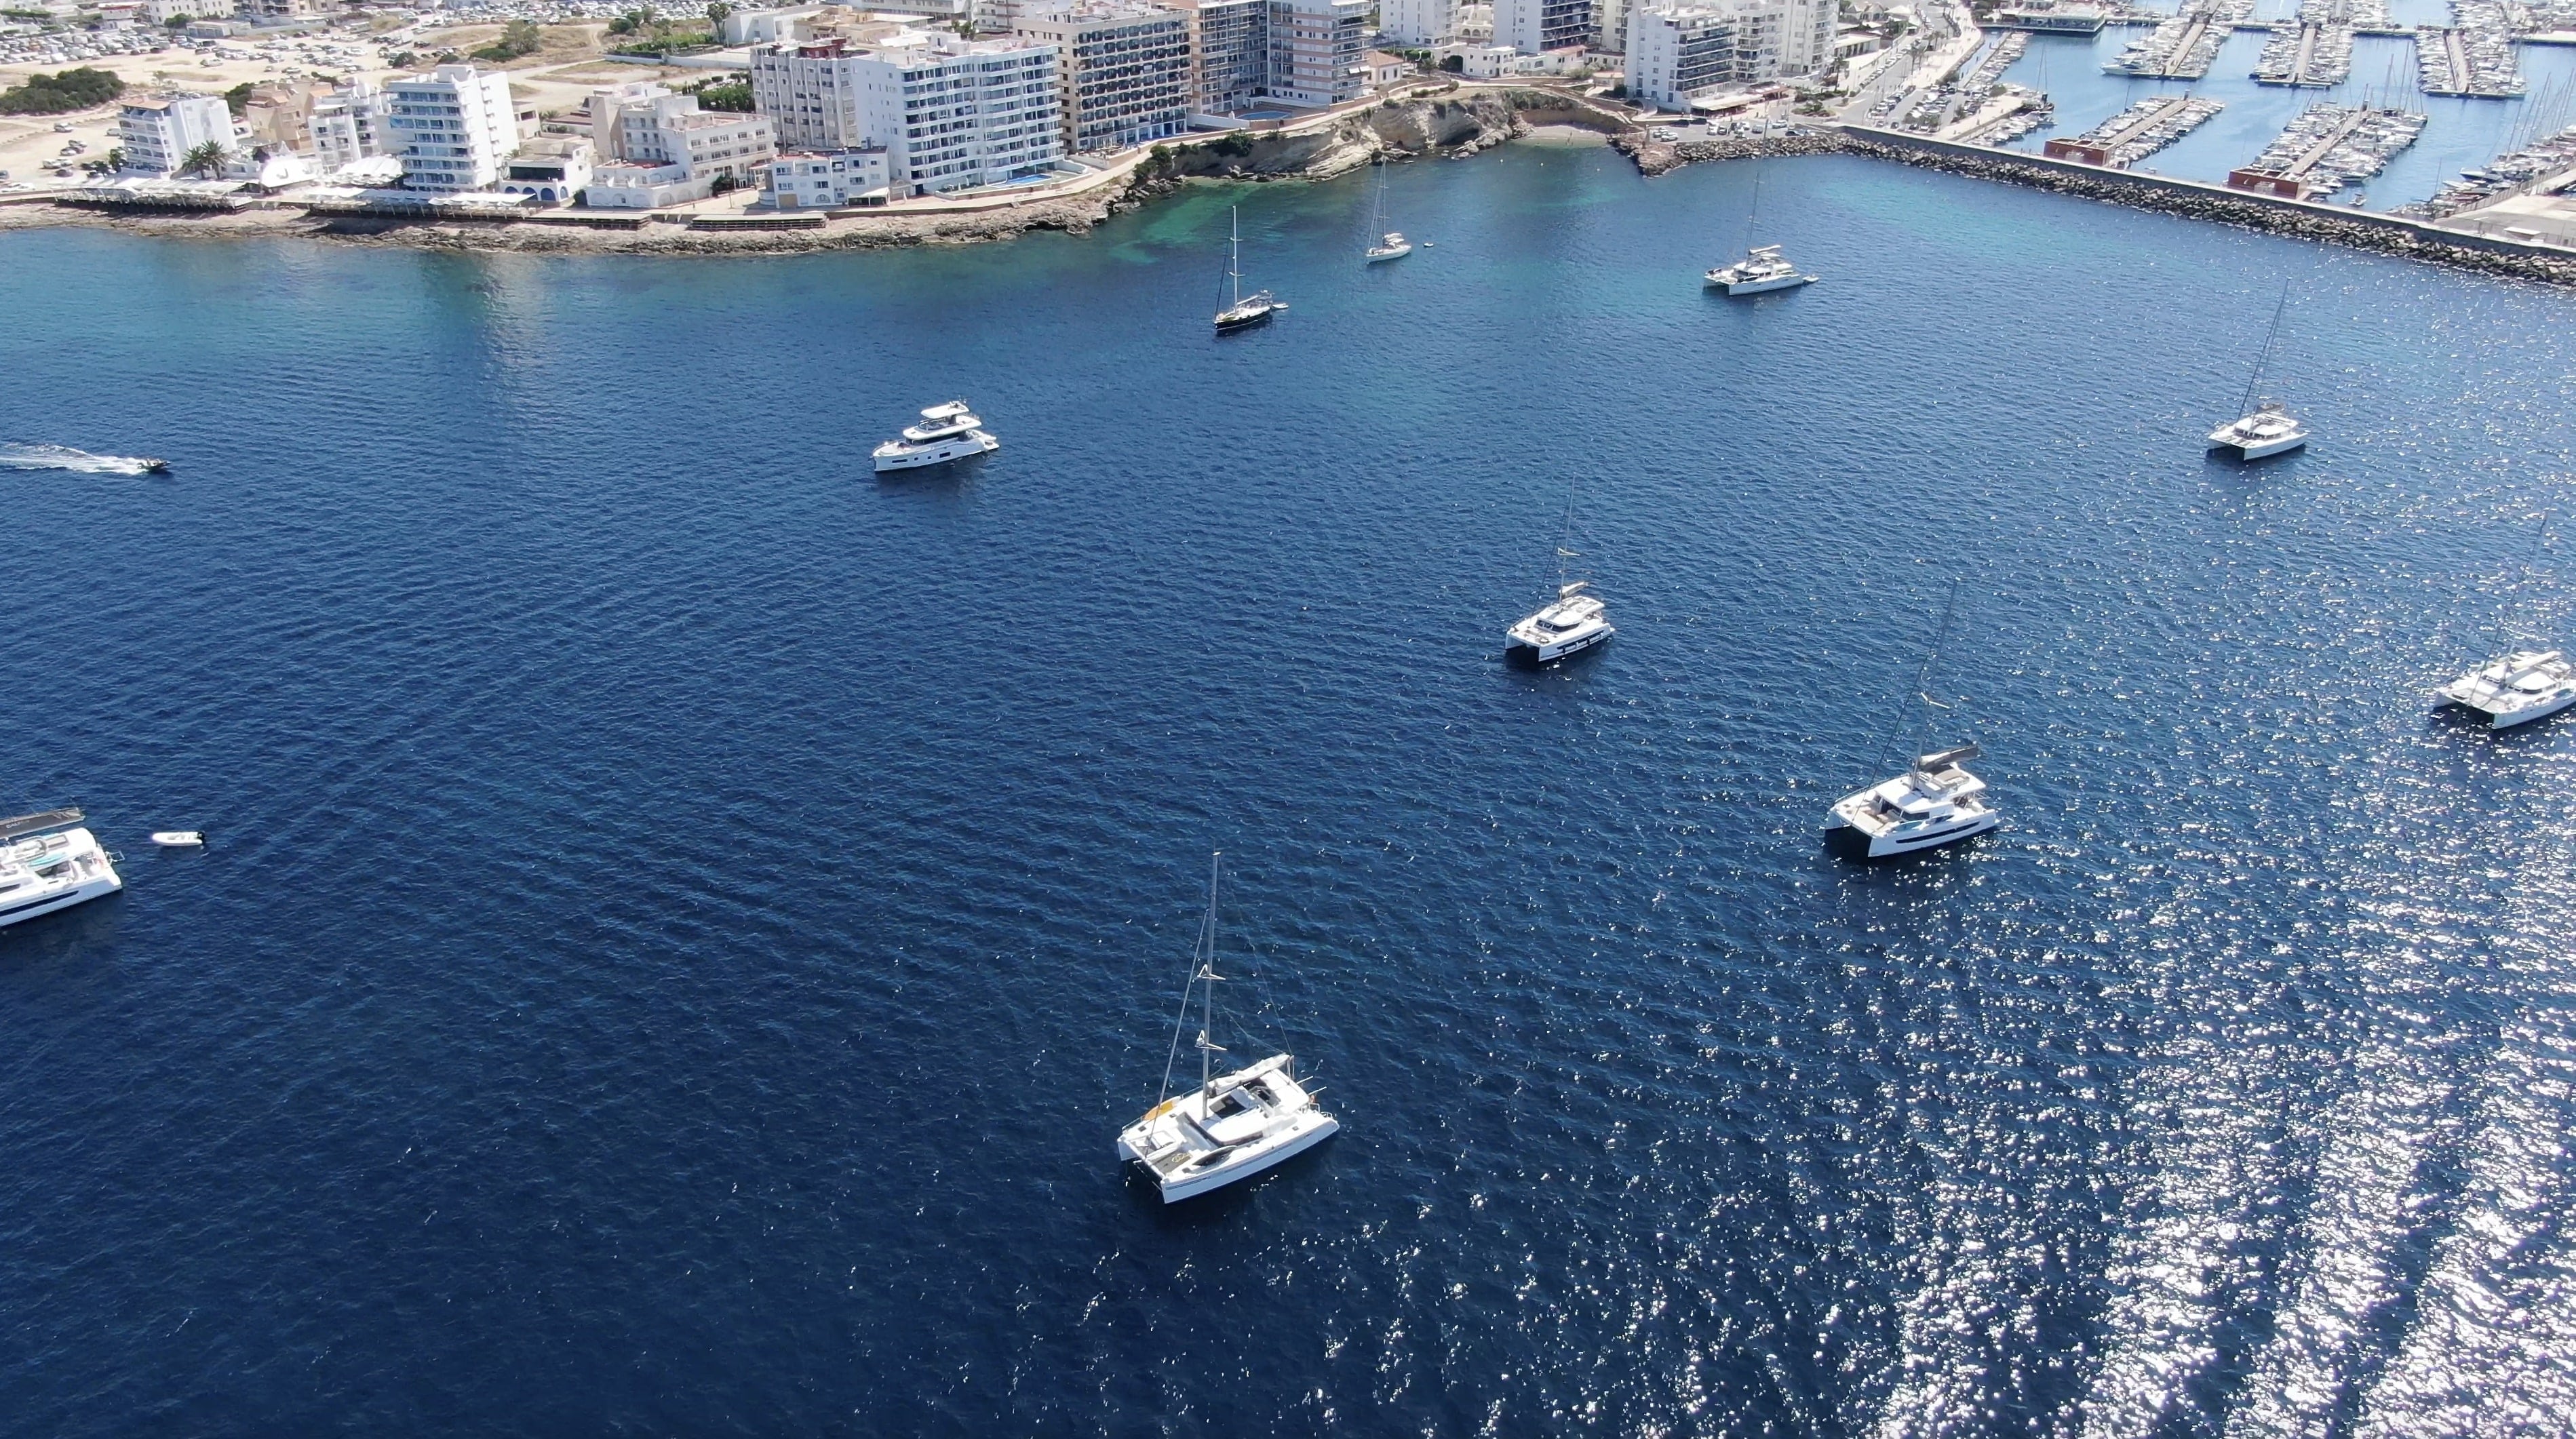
(684, 918)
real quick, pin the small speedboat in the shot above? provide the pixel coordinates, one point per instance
(179, 838)
(155, 465)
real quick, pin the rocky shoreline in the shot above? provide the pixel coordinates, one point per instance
(1458, 124)
(1464, 122)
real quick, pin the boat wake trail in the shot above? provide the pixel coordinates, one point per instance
(64, 457)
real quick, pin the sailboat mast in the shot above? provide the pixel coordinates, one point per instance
(1207, 1004)
(2265, 356)
(1233, 272)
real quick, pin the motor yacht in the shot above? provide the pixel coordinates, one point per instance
(946, 432)
(2270, 430)
(1762, 270)
(2521, 687)
(1936, 802)
(1233, 1125)
(1570, 624)
(48, 863)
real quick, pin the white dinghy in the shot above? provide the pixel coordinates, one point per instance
(1234, 1125)
(179, 838)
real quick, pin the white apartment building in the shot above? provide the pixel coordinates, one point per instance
(156, 135)
(1231, 41)
(772, 25)
(1125, 76)
(951, 114)
(451, 128)
(1536, 26)
(668, 129)
(1680, 52)
(1315, 51)
(162, 12)
(348, 125)
(804, 180)
(1418, 22)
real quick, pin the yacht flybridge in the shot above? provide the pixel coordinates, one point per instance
(1932, 804)
(1763, 269)
(1243, 311)
(2521, 687)
(1234, 1125)
(48, 862)
(1570, 624)
(2270, 430)
(946, 432)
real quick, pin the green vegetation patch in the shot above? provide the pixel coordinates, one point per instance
(518, 38)
(60, 94)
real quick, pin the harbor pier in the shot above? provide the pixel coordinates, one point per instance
(2135, 133)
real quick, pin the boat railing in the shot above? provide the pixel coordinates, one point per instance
(40, 822)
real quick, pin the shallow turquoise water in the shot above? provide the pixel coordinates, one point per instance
(685, 918)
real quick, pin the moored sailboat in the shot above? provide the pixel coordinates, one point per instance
(1243, 311)
(1233, 1125)
(1391, 244)
(1935, 802)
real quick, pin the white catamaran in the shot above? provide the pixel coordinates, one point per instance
(2268, 429)
(1569, 624)
(1935, 802)
(1234, 1125)
(48, 862)
(1764, 268)
(2513, 685)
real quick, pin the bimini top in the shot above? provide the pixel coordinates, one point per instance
(1948, 758)
(41, 822)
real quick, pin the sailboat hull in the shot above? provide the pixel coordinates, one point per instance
(1521, 651)
(1228, 323)
(1269, 1156)
(1382, 254)
(2261, 451)
(1762, 287)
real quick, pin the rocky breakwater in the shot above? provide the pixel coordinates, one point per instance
(1654, 157)
(2384, 235)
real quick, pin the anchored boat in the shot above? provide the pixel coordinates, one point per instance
(946, 432)
(49, 863)
(1234, 1125)
(1243, 311)
(1935, 802)
(2268, 429)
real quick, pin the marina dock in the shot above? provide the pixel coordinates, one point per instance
(2474, 57)
(2137, 132)
(2185, 46)
(2326, 148)
(2316, 52)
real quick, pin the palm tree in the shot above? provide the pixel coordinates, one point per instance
(206, 160)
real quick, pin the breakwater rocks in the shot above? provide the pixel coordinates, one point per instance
(2306, 222)
(1654, 157)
